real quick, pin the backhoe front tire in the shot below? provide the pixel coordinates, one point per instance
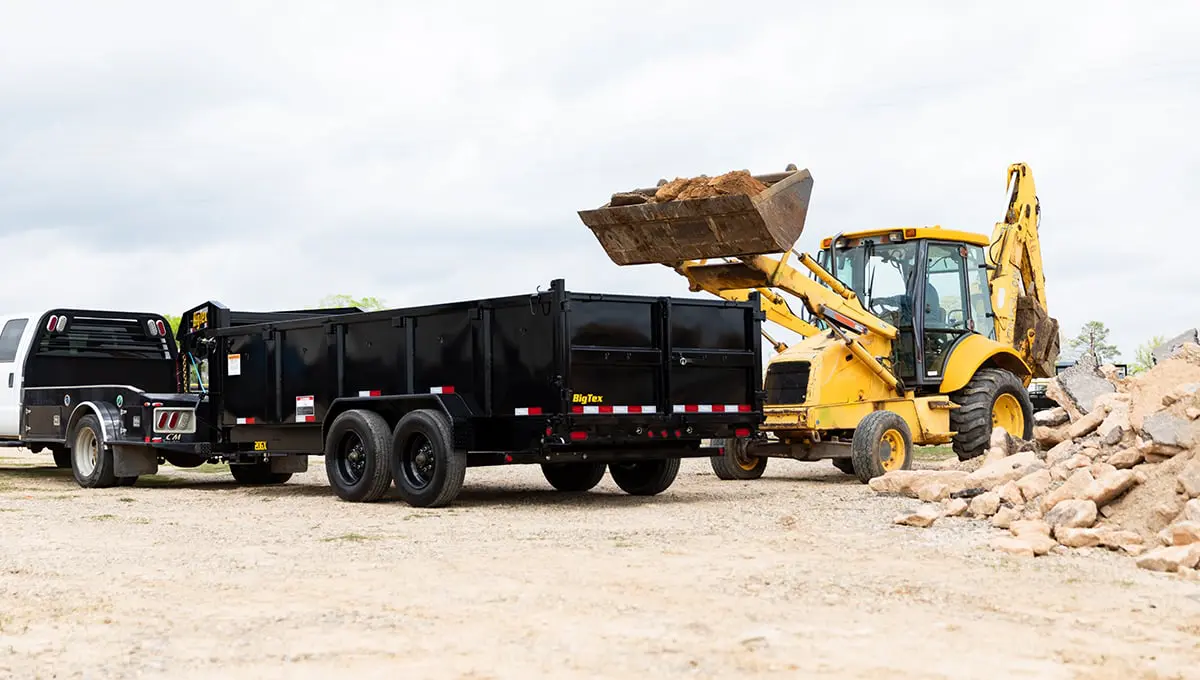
(882, 442)
(735, 464)
(993, 398)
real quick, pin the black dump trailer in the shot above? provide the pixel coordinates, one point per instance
(579, 383)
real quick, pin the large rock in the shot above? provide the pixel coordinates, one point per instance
(1052, 417)
(1099, 537)
(1060, 452)
(1191, 510)
(1181, 533)
(1116, 428)
(1108, 487)
(1098, 470)
(1166, 430)
(1170, 347)
(1034, 484)
(1051, 436)
(1026, 527)
(923, 516)
(1004, 470)
(909, 482)
(1074, 487)
(1082, 384)
(1088, 424)
(1028, 545)
(953, 507)
(1186, 391)
(1010, 493)
(1072, 514)
(1125, 458)
(1005, 517)
(1189, 479)
(984, 505)
(1171, 558)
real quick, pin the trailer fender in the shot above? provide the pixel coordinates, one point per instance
(107, 414)
(395, 407)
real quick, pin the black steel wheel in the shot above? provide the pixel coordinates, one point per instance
(91, 457)
(573, 477)
(426, 468)
(645, 477)
(357, 456)
(736, 464)
(257, 474)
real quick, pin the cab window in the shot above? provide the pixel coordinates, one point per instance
(10, 339)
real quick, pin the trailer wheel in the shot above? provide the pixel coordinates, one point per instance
(91, 459)
(645, 477)
(428, 471)
(735, 464)
(573, 476)
(358, 456)
(882, 442)
(257, 474)
(993, 398)
(62, 457)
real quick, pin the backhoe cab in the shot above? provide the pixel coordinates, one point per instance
(913, 336)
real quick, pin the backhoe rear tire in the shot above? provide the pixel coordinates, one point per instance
(993, 398)
(735, 464)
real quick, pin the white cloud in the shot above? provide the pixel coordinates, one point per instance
(266, 154)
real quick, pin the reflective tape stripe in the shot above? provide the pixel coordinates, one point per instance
(622, 409)
(711, 408)
(245, 421)
(444, 389)
(529, 411)
(370, 393)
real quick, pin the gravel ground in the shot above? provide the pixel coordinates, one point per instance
(799, 574)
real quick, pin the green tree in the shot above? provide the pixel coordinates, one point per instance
(368, 304)
(1093, 341)
(1143, 359)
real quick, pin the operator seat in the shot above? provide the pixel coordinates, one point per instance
(934, 314)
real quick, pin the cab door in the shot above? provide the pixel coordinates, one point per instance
(12, 361)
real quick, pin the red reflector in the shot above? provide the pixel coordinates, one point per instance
(147, 440)
(743, 408)
(664, 434)
(507, 458)
(650, 434)
(741, 432)
(549, 431)
(678, 433)
(578, 436)
(721, 451)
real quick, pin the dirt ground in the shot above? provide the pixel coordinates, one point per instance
(800, 574)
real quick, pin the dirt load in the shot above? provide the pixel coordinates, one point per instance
(1115, 467)
(686, 189)
(187, 575)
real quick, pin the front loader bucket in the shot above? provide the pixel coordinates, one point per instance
(730, 225)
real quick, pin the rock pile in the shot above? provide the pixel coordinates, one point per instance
(1115, 466)
(690, 188)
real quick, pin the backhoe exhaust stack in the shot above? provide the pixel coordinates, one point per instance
(733, 215)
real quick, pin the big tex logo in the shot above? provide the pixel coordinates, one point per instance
(587, 399)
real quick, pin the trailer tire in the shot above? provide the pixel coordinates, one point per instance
(358, 456)
(993, 398)
(427, 469)
(184, 460)
(573, 477)
(735, 464)
(645, 477)
(257, 474)
(91, 458)
(877, 440)
(62, 457)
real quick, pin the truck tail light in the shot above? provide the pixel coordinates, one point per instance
(152, 328)
(174, 420)
(162, 328)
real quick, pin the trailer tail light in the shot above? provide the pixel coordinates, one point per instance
(174, 420)
(741, 432)
(578, 436)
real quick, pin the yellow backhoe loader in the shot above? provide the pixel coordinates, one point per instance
(913, 335)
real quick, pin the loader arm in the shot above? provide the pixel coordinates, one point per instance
(1018, 280)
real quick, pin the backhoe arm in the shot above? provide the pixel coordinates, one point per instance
(1018, 279)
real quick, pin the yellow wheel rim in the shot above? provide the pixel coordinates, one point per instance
(743, 461)
(891, 450)
(1007, 413)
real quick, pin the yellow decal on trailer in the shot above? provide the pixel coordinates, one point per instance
(260, 446)
(587, 399)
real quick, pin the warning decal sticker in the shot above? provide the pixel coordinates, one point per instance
(306, 409)
(235, 364)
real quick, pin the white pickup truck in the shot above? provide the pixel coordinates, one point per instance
(98, 390)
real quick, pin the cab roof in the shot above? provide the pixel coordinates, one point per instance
(914, 233)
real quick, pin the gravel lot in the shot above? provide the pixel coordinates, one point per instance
(800, 574)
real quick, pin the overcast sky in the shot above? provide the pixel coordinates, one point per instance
(268, 154)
